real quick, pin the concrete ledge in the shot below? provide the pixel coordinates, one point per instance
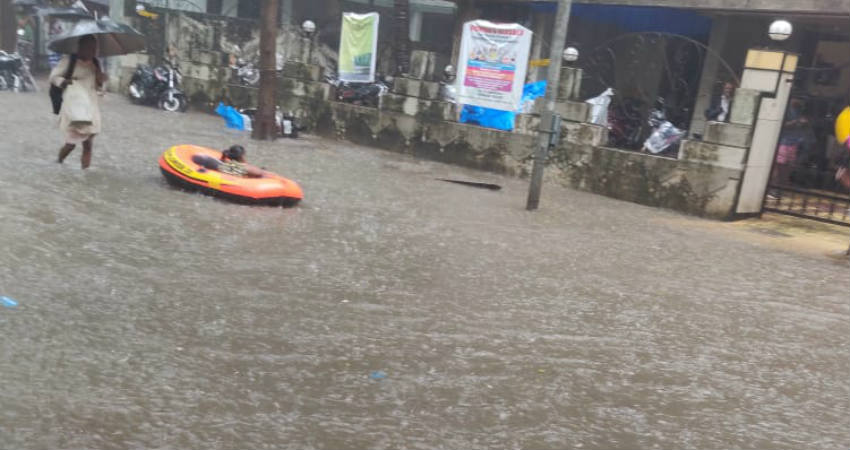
(527, 123)
(687, 186)
(731, 134)
(409, 87)
(714, 154)
(570, 111)
(454, 143)
(584, 133)
(430, 90)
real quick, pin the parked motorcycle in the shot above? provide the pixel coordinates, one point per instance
(624, 124)
(159, 86)
(665, 136)
(246, 72)
(363, 94)
(15, 73)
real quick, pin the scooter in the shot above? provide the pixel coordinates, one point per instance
(363, 94)
(15, 74)
(665, 136)
(159, 86)
(246, 72)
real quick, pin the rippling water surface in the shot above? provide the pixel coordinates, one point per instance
(154, 318)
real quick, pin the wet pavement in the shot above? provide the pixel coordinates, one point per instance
(152, 318)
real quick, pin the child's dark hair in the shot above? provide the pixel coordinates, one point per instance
(234, 153)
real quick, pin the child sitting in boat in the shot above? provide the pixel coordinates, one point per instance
(232, 162)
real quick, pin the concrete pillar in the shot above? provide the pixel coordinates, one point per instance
(772, 74)
(710, 68)
(570, 86)
(230, 8)
(540, 21)
(466, 11)
(286, 17)
(415, 25)
(114, 64)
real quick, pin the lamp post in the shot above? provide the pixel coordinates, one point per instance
(308, 27)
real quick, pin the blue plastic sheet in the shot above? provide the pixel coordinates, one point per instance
(498, 119)
(232, 117)
(488, 118)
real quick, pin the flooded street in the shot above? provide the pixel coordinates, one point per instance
(151, 318)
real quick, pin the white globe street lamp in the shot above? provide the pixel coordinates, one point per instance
(309, 27)
(780, 30)
(571, 54)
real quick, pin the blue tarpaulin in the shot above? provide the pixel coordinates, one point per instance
(498, 119)
(232, 117)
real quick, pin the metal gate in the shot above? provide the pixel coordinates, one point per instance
(802, 181)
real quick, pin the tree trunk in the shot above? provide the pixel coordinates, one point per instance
(264, 125)
(8, 26)
(401, 32)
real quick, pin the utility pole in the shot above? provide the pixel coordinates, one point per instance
(541, 152)
(8, 26)
(265, 127)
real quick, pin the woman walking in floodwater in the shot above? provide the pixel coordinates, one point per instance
(83, 70)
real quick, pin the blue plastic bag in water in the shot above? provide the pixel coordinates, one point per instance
(232, 117)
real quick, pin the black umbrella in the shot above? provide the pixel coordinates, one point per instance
(113, 38)
(64, 13)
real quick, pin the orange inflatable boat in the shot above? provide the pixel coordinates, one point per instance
(178, 166)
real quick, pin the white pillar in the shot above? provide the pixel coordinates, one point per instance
(770, 72)
(415, 25)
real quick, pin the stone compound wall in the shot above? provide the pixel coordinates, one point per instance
(412, 119)
(203, 46)
(704, 181)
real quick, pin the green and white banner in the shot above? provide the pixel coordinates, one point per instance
(358, 47)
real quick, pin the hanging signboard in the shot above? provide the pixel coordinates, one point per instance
(358, 47)
(493, 62)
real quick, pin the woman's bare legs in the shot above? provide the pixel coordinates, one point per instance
(85, 160)
(65, 151)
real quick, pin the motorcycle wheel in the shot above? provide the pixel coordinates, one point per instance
(172, 105)
(29, 83)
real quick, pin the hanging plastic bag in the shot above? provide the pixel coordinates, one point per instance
(77, 105)
(530, 93)
(663, 137)
(232, 117)
(599, 107)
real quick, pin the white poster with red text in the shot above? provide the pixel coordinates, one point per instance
(493, 62)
